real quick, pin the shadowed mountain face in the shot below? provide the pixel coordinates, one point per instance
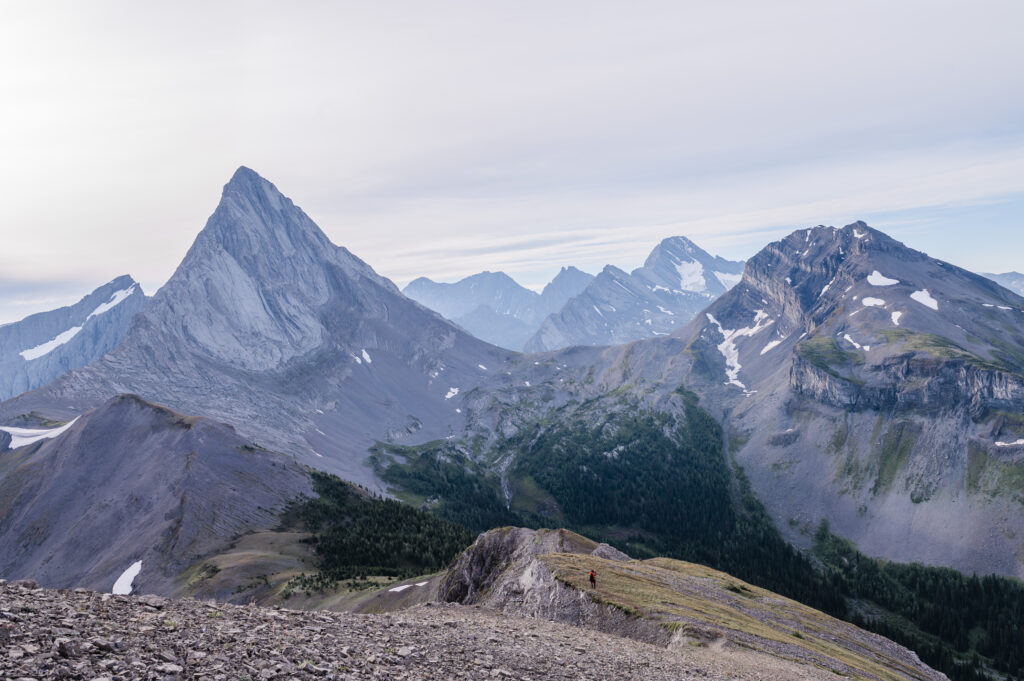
(677, 280)
(131, 481)
(43, 346)
(870, 385)
(269, 326)
(493, 307)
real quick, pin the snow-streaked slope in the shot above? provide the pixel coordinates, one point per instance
(39, 348)
(888, 403)
(676, 282)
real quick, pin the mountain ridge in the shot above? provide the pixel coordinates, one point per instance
(42, 346)
(676, 281)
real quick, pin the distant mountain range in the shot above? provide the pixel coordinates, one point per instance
(43, 346)
(493, 307)
(855, 380)
(675, 283)
(1011, 280)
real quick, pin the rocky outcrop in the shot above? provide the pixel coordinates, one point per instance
(505, 552)
(908, 383)
(543, 574)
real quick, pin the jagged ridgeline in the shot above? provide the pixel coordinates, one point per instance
(651, 483)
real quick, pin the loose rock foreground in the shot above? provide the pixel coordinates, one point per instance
(47, 634)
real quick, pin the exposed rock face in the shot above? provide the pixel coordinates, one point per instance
(502, 555)
(296, 342)
(542, 574)
(131, 481)
(43, 346)
(677, 280)
(493, 307)
(867, 383)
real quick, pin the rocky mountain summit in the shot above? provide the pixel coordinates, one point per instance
(296, 342)
(493, 307)
(677, 281)
(43, 346)
(878, 388)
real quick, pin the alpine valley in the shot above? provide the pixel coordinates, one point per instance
(839, 421)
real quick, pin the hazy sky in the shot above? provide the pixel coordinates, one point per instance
(445, 138)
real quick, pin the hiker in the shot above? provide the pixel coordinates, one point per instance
(593, 579)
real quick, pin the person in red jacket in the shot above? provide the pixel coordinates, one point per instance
(593, 579)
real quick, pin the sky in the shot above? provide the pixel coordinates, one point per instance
(445, 138)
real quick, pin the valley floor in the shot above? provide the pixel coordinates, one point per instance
(48, 634)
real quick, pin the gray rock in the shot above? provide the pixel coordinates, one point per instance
(163, 488)
(96, 324)
(857, 403)
(677, 280)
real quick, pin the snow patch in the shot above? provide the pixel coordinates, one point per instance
(452, 392)
(481, 366)
(855, 344)
(925, 299)
(729, 280)
(859, 235)
(123, 585)
(50, 345)
(399, 589)
(827, 287)
(728, 345)
(668, 312)
(366, 357)
(26, 436)
(691, 276)
(769, 345)
(876, 278)
(896, 317)
(117, 297)
(1010, 444)
(872, 302)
